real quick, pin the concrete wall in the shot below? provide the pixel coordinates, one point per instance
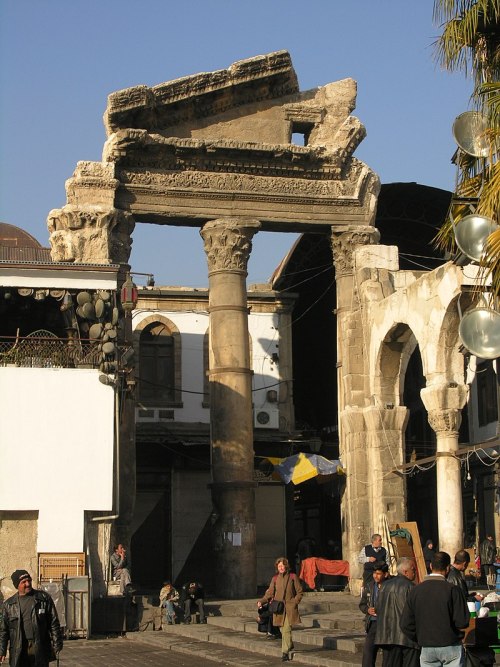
(56, 457)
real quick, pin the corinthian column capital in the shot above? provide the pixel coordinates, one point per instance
(445, 421)
(344, 243)
(228, 243)
(90, 233)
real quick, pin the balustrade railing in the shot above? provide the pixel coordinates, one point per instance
(49, 352)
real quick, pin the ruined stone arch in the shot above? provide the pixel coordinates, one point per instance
(173, 331)
(450, 362)
(394, 353)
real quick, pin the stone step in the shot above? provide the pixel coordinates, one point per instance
(241, 630)
(203, 638)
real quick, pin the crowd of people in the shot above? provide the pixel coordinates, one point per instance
(410, 624)
(420, 624)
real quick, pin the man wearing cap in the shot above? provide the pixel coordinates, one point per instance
(29, 623)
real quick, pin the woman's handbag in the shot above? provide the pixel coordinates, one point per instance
(277, 606)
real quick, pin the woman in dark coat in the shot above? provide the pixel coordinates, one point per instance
(428, 554)
(285, 587)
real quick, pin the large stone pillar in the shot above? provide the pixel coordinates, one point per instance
(351, 389)
(385, 439)
(444, 403)
(228, 243)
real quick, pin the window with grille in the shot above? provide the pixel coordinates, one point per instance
(157, 365)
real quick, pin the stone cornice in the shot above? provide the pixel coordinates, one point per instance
(138, 149)
(201, 95)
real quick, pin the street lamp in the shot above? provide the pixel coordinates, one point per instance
(128, 295)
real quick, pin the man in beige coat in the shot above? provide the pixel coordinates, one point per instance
(284, 587)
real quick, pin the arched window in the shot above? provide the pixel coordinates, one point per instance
(159, 364)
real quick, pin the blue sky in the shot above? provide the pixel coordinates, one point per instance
(59, 59)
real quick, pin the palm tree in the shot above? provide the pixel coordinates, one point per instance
(470, 42)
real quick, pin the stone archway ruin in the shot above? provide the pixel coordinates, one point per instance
(214, 151)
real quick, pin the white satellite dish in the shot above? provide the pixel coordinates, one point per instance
(471, 233)
(470, 133)
(479, 331)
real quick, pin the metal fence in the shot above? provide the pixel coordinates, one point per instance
(49, 352)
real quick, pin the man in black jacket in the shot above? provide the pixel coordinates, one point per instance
(457, 578)
(192, 594)
(434, 615)
(29, 623)
(369, 599)
(397, 649)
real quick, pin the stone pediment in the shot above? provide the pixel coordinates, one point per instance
(206, 94)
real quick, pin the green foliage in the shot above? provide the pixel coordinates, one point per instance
(470, 42)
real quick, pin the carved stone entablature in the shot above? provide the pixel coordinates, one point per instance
(344, 243)
(335, 192)
(139, 149)
(90, 234)
(228, 243)
(445, 421)
(255, 79)
(92, 182)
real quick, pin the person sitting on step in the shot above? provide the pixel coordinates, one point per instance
(192, 597)
(168, 597)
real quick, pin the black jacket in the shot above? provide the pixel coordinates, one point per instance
(457, 578)
(487, 552)
(390, 604)
(435, 613)
(368, 596)
(48, 635)
(198, 594)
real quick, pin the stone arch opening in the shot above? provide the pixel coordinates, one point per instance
(399, 379)
(158, 354)
(395, 352)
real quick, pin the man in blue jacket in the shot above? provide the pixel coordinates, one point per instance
(30, 625)
(434, 616)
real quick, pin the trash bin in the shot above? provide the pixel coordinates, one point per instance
(77, 598)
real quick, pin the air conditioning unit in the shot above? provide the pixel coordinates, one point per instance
(266, 417)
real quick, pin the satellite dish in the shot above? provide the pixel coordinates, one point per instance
(479, 331)
(471, 233)
(469, 131)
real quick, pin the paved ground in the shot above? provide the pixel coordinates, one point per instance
(104, 652)
(107, 652)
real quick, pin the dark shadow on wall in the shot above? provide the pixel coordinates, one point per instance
(200, 563)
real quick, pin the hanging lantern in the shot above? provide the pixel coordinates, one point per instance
(128, 295)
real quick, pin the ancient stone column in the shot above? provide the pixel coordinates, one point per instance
(444, 403)
(351, 374)
(228, 243)
(384, 437)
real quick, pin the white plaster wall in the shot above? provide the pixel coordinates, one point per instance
(56, 449)
(264, 332)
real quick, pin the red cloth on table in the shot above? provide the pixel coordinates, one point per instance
(310, 567)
